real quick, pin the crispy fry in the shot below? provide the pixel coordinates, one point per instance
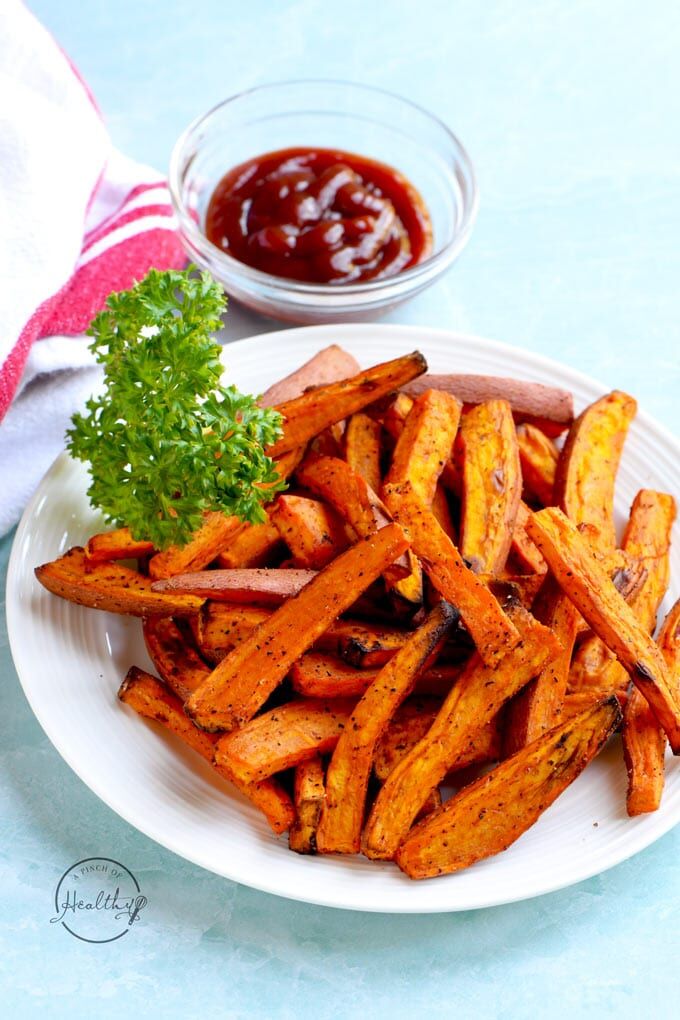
(491, 630)
(587, 584)
(473, 702)
(492, 485)
(527, 400)
(313, 532)
(245, 678)
(256, 585)
(538, 457)
(309, 792)
(147, 696)
(587, 466)
(339, 829)
(425, 443)
(255, 546)
(490, 814)
(523, 550)
(363, 448)
(116, 545)
(283, 737)
(110, 586)
(306, 416)
(316, 675)
(327, 366)
(177, 661)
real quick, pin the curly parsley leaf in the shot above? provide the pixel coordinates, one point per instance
(165, 441)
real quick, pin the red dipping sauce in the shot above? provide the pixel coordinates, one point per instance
(319, 215)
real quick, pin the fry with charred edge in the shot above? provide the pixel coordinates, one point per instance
(538, 457)
(316, 675)
(177, 661)
(110, 586)
(527, 400)
(327, 366)
(492, 485)
(116, 545)
(283, 737)
(347, 776)
(425, 443)
(587, 466)
(147, 696)
(588, 586)
(263, 587)
(313, 532)
(309, 414)
(255, 546)
(363, 448)
(245, 678)
(490, 814)
(491, 630)
(473, 702)
(308, 795)
(522, 549)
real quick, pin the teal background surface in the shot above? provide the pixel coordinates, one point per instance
(570, 113)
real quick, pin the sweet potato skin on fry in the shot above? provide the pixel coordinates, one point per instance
(254, 585)
(245, 678)
(490, 814)
(147, 696)
(589, 587)
(327, 366)
(308, 795)
(527, 400)
(587, 466)
(111, 587)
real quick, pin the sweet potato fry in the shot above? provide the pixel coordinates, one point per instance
(327, 366)
(425, 443)
(245, 678)
(473, 702)
(527, 400)
(308, 795)
(490, 814)
(442, 513)
(177, 661)
(116, 545)
(589, 587)
(313, 532)
(110, 586)
(396, 414)
(538, 458)
(523, 551)
(147, 696)
(587, 466)
(316, 675)
(362, 645)
(306, 416)
(256, 585)
(256, 546)
(363, 448)
(339, 829)
(492, 485)
(491, 630)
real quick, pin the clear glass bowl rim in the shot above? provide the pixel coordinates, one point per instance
(233, 267)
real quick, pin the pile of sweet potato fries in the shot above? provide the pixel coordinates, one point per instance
(437, 598)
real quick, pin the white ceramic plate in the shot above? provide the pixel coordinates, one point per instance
(71, 660)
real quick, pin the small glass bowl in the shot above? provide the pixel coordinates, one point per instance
(329, 114)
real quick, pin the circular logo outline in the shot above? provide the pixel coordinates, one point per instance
(133, 916)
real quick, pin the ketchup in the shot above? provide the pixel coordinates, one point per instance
(319, 215)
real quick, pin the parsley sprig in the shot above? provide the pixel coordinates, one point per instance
(166, 441)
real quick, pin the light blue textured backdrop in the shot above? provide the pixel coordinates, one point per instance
(570, 113)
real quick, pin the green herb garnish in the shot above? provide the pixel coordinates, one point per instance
(166, 441)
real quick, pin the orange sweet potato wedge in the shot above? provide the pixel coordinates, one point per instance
(396, 414)
(175, 658)
(474, 700)
(587, 466)
(425, 443)
(116, 545)
(319, 675)
(110, 586)
(245, 678)
(314, 533)
(490, 628)
(523, 551)
(149, 698)
(256, 546)
(327, 366)
(306, 416)
(363, 448)
(591, 590)
(339, 829)
(492, 485)
(257, 585)
(308, 796)
(490, 814)
(538, 457)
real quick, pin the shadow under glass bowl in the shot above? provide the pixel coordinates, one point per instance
(334, 115)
